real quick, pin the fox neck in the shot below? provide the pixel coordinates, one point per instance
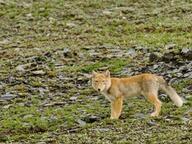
(108, 85)
(106, 92)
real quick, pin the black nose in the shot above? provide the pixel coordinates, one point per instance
(99, 89)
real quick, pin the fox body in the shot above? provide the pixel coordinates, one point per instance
(117, 89)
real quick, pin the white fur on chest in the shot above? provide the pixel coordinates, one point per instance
(108, 96)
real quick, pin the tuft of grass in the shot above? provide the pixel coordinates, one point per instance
(114, 65)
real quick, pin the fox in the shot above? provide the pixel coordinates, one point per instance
(146, 84)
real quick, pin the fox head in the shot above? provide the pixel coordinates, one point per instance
(101, 81)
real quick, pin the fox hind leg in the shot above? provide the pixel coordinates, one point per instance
(156, 102)
(150, 91)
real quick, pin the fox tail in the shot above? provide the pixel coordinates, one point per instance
(170, 92)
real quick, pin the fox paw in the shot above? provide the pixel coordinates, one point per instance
(154, 114)
(113, 118)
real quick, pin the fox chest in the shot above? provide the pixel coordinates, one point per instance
(108, 96)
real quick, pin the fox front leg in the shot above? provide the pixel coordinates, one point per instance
(116, 108)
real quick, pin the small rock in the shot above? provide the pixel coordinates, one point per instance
(2, 2)
(141, 49)
(155, 66)
(48, 54)
(189, 112)
(106, 12)
(73, 98)
(188, 75)
(102, 129)
(21, 104)
(92, 119)
(124, 18)
(170, 46)
(189, 88)
(39, 72)
(188, 55)
(41, 142)
(53, 118)
(184, 119)
(25, 124)
(167, 57)
(184, 50)
(20, 68)
(164, 98)
(54, 104)
(42, 9)
(180, 75)
(154, 57)
(5, 41)
(67, 52)
(7, 106)
(171, 81)
(81, 122)
(29, 15)
(28, 116)
(1, 86)
(71, 24)
(131, 52)
(140, 115)
(8, 96)
(151, 123)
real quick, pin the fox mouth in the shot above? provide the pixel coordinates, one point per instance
(100, 89)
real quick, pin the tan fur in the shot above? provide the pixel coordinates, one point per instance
(117, 89)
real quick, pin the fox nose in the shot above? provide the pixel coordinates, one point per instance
(99, 89)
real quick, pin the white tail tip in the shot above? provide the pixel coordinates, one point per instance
(179, 102)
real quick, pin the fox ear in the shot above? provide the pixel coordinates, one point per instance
(107, 73)
(90, 75)
(93, 73)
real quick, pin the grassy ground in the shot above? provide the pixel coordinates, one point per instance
(47, 47)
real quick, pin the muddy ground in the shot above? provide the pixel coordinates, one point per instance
(47, 49)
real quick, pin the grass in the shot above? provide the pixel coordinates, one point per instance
(67, 39)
